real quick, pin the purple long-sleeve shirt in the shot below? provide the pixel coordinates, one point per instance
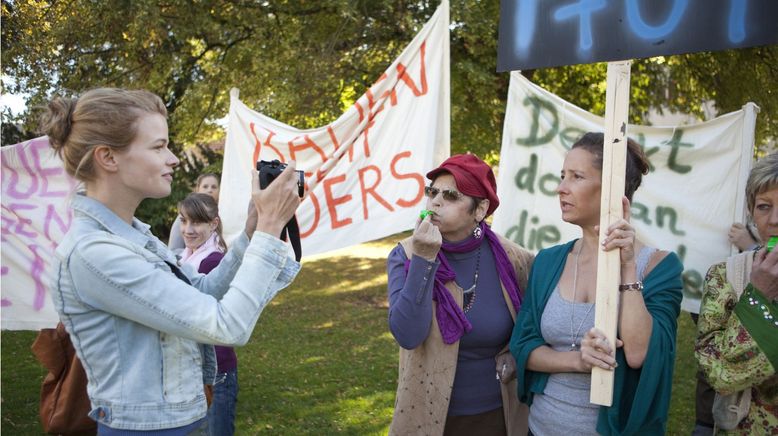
(476, 389)
(226, 359)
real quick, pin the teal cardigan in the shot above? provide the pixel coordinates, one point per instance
(641, 397)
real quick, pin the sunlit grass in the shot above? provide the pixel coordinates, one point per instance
(321, 359)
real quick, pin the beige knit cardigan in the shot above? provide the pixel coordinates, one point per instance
(427, 372)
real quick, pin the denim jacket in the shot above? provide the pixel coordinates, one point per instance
(135, 325)
(208, 355)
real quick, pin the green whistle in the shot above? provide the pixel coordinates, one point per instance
(425, 213)
(772, 243)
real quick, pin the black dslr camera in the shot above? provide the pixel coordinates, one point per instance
(268, 171)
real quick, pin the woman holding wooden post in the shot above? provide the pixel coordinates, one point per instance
(737, 344)
(554, 341)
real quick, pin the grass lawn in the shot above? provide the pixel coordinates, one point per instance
(321, 360)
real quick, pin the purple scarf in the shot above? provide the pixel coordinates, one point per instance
(452, 321)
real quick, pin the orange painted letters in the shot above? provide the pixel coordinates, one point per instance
(372, 189)
(415, 176)
(333, 201)
(258, 144)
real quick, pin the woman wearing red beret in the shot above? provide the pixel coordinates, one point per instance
(455, 288)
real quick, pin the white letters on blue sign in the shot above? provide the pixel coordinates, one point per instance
(737, 20)
(525, 25)
(646, 31)
(584, 9)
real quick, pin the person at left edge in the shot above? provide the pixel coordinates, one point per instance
(133, 315)
(454, 290)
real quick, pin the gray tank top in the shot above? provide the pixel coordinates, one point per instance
(564, 408)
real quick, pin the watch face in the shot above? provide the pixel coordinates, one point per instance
(637, 286)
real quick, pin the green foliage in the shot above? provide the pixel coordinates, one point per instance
(478, 93)
(321, 360)
(731, 79)
(12, 129)
(305, 62)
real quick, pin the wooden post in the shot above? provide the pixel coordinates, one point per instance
(608, 263)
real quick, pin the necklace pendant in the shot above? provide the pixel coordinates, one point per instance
(572, 347)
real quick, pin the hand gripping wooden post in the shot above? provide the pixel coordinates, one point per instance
(614, 164)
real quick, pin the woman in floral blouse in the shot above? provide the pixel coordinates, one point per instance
(737, 343)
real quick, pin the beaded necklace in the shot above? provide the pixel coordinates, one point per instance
(469, 297)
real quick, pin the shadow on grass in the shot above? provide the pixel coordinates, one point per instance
(321, 359)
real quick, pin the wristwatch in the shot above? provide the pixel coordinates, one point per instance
(637, 286)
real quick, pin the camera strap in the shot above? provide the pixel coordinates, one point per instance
(293, 230)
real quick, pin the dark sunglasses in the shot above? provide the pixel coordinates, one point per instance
(448, 194)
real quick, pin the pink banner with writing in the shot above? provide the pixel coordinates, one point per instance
(35, 215)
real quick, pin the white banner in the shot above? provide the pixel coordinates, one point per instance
(692, 194)
(365, 171)
(35, 217)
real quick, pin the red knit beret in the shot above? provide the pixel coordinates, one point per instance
(473, 177)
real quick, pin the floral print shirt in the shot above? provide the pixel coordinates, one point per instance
(730, 357)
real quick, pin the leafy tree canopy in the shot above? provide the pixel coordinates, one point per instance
(305, 62)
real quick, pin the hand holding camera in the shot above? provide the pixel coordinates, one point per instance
(278, 201)
(270, 170)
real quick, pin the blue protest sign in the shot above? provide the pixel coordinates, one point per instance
(547, 33)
